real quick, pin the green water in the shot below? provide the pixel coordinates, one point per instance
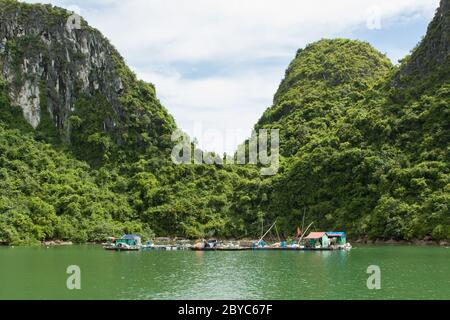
(407, 272)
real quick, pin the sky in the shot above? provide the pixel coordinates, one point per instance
(217, 64)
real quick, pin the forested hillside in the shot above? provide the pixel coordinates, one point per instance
(85, 146)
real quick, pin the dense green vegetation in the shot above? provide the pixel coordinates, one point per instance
(364, 148)
(46, 194)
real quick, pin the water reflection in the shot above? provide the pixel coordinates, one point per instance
(37, 273)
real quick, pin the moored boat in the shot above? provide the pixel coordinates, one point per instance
(128, 242)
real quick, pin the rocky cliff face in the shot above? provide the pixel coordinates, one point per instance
(51, 59)
(432, 55)
(45, 55)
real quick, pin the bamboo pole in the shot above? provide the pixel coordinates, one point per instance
(278, 235)
(303, 234)
(267, 232)
(303, 221)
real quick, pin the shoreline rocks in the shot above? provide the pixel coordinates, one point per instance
(423, 242)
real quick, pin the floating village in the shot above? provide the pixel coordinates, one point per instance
(313, 241)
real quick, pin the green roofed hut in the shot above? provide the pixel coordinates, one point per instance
(129, 242)
(337, 238)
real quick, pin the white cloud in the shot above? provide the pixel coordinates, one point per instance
(202, 30)
(241, 48)
(224, 103)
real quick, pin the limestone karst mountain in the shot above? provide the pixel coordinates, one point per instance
(73, 86)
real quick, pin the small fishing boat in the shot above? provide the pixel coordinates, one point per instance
(214, 245)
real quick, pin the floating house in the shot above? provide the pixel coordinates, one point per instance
(337, 238)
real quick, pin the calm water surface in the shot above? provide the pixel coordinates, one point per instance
(407, 272)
